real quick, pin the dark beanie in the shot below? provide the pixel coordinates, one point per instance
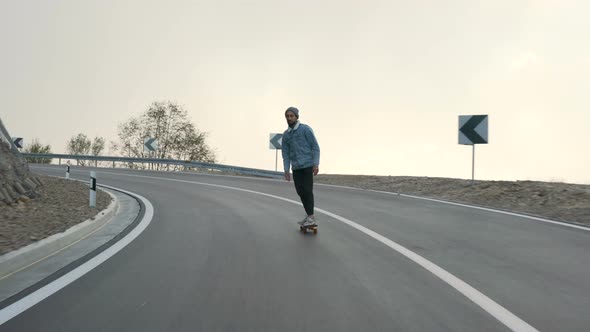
(294, 110)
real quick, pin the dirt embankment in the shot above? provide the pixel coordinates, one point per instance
(558, 201)
(60, 205)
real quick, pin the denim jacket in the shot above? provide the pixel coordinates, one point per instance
(300, 147)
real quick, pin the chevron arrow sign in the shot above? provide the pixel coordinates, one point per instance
(276, 141)
(18, 142)
(473, 129)
(150, 144)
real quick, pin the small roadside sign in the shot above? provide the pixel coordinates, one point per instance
(473, 129)
(150, 144)
(276, 141)
(18, 142)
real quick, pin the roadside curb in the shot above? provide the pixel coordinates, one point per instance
(28, 255)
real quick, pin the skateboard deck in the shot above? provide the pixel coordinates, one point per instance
(311, 228)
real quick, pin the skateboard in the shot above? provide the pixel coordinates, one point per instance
(311, 228)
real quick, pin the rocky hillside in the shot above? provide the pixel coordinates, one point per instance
(16, 181)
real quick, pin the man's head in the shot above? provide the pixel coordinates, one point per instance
(292, 115)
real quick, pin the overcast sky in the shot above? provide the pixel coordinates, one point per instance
(382, 83)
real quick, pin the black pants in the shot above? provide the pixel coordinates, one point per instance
(303, 179)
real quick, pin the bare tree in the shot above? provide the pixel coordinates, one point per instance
(178, 138)
(97, 147)
(82, 145)
(37, 147)
(79, 145)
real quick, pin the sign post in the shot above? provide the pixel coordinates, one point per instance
(473, 129)
(276, 143)
(150, 145)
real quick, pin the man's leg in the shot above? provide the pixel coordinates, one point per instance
(307, 190)
(303, 180)
(298, 177)
(298, 181)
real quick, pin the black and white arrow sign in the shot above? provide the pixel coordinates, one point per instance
(473, 129)
(18, 142)
(276, 141)
(150, 144)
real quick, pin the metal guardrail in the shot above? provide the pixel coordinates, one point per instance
(5, 136)
(219, 167)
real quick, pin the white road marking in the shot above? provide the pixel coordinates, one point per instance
(30, 300)
(500, 313)
(554, 222)
(491, 210)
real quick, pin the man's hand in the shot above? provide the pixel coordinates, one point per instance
(316, 170)
(287, 176)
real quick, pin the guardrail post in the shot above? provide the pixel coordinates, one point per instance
(92, 189)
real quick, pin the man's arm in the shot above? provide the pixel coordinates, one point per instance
(315, 150)
(286, 160)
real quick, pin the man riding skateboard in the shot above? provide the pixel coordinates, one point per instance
(301, 152)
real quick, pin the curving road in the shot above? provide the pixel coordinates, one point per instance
(224, 254)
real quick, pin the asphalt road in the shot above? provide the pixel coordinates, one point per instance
(220, 259)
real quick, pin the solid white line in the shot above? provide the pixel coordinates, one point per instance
(554, 222)
(500, 313)
(490, 210)
(30, 300)
(337, 186)
(60, 250)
